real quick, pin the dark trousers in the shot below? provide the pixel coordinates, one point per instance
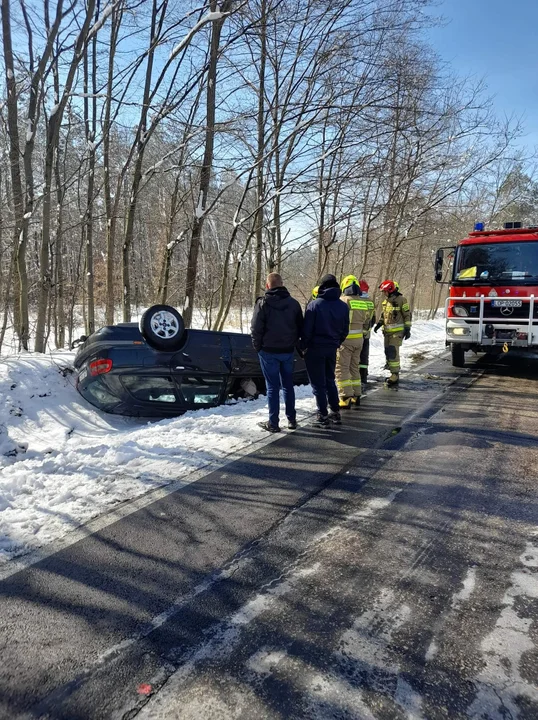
(363, 362)
(321, 364)
(277, 369)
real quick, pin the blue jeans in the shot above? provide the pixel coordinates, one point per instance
(277, 369)
(320, 365)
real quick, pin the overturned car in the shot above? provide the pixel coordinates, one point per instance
(157, 368)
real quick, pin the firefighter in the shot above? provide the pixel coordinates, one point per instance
(348, 377)
(365, 352)
(396, 323)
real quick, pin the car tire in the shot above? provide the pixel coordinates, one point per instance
(163, 328)
(458, 355)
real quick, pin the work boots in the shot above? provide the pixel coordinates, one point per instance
(393, 380)
(321, 421)
(335, 417)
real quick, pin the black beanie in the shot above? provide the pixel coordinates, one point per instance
(328, 281)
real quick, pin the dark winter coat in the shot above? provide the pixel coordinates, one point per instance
(277, 322)
(326, 320)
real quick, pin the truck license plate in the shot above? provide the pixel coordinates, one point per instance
(507, 303)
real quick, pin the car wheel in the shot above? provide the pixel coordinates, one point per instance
(162, 327)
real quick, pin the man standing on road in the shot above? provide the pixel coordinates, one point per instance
(348, 378)
(365, 352)
(396, 323)
(326, 326)
(276, 328)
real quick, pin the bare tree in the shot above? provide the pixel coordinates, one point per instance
(207, 162)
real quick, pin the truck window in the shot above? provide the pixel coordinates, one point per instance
(509, 263)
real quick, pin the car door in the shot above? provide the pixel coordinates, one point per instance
(245, 361)
(205, 351)
(202, 368)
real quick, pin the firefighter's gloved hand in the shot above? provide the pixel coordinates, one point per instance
(407, 333)
(378, 326)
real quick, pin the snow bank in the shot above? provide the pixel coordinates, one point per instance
(62, 462)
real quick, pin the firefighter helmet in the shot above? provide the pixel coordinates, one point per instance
(348, 281)
(388, 286)
(315, 292)
(364, 286)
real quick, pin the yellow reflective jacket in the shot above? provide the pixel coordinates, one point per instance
(371, 310)
(359, 316)
(395, 314)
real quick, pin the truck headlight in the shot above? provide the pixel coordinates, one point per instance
(460, 311)
(459, 331)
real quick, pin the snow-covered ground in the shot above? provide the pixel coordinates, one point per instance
(62, 462)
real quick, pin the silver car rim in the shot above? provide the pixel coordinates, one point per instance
(164, 325)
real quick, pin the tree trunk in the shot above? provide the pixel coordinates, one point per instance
(111, 204)
(90, 124)
(257, 290)
(59, 294)
(19, 236)
(169, 247)
(205, 175)
(44, 254)
(53, 130)
(413, 292)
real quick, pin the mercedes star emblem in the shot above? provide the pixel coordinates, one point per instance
(507, 311)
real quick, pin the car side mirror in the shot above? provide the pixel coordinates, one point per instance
(439, 259)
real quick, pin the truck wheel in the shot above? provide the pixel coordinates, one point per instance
(458, 355)
(162, 327)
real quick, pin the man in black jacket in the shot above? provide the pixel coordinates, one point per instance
(276, 328)
(326, 326)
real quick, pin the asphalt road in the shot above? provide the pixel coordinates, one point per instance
(387, 569)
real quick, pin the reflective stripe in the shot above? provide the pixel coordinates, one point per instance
(405, 307)
(393, 328)
(344, 383)
(356, 383)
(393, 364)
(358, 304)
(363, 367)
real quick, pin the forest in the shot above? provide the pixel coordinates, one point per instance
(172, 151)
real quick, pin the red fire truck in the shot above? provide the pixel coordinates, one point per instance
(493, 290)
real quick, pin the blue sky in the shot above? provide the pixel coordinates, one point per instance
(495, 40)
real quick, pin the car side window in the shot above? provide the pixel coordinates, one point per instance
(98, 391)
(200, 390)
(150, 388)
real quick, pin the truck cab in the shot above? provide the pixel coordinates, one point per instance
(493, 281)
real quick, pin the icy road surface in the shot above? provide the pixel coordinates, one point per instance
(382, 570)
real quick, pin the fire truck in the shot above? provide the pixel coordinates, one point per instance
(492, 305)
